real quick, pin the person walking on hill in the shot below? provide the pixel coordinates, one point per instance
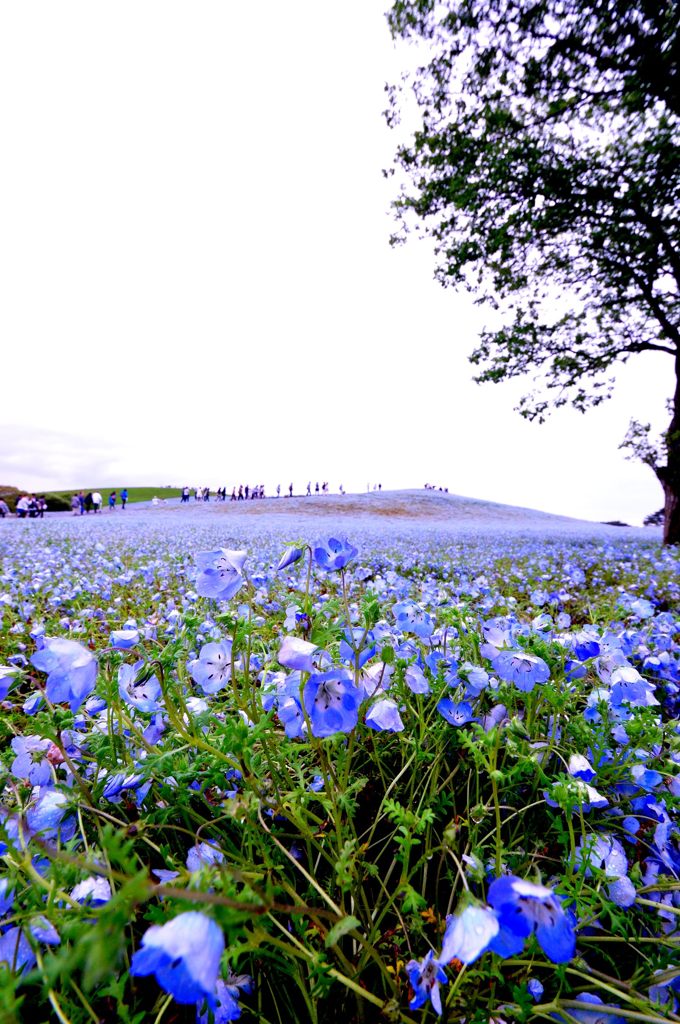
(123, 498)
(97, 501)
(75, 505)
(112, 501)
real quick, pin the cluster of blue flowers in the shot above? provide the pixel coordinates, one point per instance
(456, 649)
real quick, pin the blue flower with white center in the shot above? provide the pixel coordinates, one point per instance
(94, 891)
(522, 908)
(468, 935)
(332, 702)
(604, 852)
(184, 955)
(384, 716)
(411, 618)
(44, 931)
(535, 989)
(622, 892)
(291, 717)
(590, 1014)
(300, 655)
(48, 815)
(6, 896)
(138, 687)
(456, 713)
(15, 951)
(475, 677)
(228, 992)
(333, 554)
(124, 639)
(120, 782)
(212, 669)
(71, 668)
(497, 716)
(415, 679)
(586, 647)
(628, 685)
(204, 855)
(521, 669)
(357, 647)
(425, 979)
(221, 575)
(580, 767)
(8, 676)
(289, 557)
(31, 761)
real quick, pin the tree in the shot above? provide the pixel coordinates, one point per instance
(546, 169)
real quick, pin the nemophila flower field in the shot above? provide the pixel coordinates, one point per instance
(326, 776)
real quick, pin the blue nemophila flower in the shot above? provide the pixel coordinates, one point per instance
(228, 991)
(221, 575)
(580, 768)
(212, 669)
(332, 702)
(44, 931)
(48, 815)
(204, 855)
(425, 979)
(522, 669)
(622, 892)
(289, 557)
(334, 553)
(416, 680)
(31, 760)
(15, 951)
(411, 618)
(357, 644)
(6, 896)
(8, 674)
(468, 934)
(124, 639)
(591, 1014)
(138, 688)
(603, 851)
(94, 890)
(184, 955)
(119, 783)
(384, 716)
(628, 685)
(300, 655)
(523, 907)
(535, 989)
(456, 713)
(71, 668)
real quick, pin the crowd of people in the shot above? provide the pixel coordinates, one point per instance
(28, 506)
(82, 504)
(246, 492)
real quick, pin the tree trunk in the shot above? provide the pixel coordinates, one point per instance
(669, 475)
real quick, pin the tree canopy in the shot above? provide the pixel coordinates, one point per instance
(546, 170)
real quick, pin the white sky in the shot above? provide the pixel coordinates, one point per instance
(197, 285)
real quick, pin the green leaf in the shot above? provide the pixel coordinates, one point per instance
(342, 927)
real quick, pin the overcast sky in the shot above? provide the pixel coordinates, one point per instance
(197, 283)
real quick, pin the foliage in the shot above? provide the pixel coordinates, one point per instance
(546, 169)
(11, 495)
(57, 502)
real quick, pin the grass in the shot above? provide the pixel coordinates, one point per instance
(134, 493)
